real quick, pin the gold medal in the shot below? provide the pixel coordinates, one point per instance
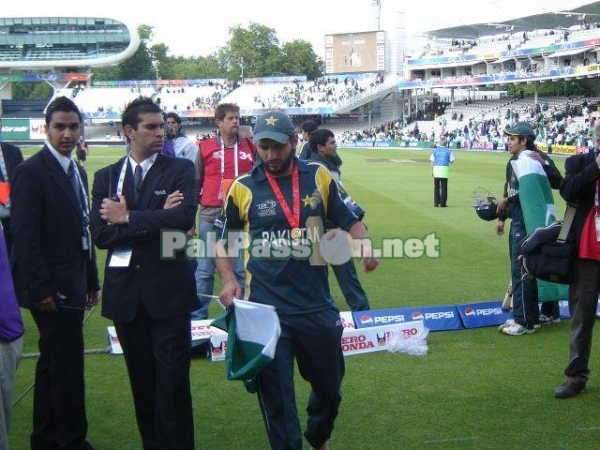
(296, 233)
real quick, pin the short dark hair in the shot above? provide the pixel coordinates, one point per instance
(136, 107)
(223, 108)
(309, 126)
(319, 137)
(62, 104)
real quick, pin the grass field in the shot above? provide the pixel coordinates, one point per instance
(476, 389)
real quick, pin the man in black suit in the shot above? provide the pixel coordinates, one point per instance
(149, 296)
(581, 187)
(55, 275)
(10, 156)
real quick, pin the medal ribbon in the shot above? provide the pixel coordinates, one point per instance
(293, 217)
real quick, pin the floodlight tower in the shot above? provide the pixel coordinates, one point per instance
(377, 13)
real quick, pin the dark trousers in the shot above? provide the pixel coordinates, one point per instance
(583, 301)
(157, 353)
(440, 191)
(524, 288)
(347, 278)
(59, 417)
(550, 309)
(314, 340)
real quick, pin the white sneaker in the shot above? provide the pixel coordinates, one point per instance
(517, 330)
(508, 323)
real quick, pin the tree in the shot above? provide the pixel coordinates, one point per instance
(299, 58)
(252, 52)
(180, 68)
(31, 91)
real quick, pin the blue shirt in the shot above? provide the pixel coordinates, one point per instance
(441, 158)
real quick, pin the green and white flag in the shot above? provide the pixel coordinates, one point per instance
(252, 333)
(537, 204)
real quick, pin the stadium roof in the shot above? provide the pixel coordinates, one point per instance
(559, 19)
(65, 42)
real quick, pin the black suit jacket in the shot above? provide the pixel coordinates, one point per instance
(579, 187)
(12, 156)
(165, 287)
(47, 228)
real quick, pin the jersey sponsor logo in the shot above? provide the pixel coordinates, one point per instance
(266, 208)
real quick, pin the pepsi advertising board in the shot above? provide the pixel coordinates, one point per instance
(564, 309)
(435, 318)
(483, 314)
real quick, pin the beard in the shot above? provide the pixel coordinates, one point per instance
(281, 169)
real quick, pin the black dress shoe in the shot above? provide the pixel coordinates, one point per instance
(85, 445)
(569, 389)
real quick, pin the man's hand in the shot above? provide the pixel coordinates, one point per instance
(173, 199)
(114, 212)
(92, 299)
(500, 227)
(369, 264)
(230, 290)
(537, 157)
(48, 305)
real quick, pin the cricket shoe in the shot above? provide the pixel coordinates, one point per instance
(508, 323)
(548, 320)
(517, 330)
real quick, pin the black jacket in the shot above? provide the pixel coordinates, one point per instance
(579, 187)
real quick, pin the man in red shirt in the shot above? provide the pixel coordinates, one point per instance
(220, 159)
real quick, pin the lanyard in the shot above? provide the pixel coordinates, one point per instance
(86, 208)
(86, 241)
(3, 166)
(122, 177)
(292, 216)
(121, 180)
(235, 158)
(235, 163)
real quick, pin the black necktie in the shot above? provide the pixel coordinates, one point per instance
(75, 185)
(1, 173)
(137, 183)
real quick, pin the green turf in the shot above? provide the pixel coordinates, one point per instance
(476, 389)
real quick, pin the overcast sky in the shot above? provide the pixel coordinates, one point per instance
(200, 27)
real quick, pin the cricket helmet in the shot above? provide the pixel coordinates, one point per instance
(485, 204)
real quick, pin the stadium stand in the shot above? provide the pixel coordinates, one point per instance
(439, 88)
